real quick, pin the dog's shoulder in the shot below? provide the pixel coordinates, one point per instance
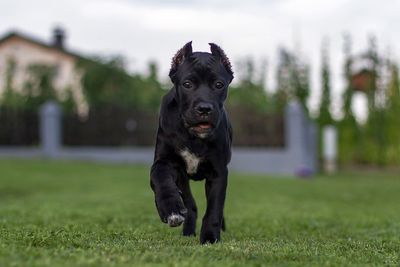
(169, 113)
(168, 101)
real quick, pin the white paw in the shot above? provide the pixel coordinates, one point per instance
(175, 220)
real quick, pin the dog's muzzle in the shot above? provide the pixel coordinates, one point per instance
(202, 120)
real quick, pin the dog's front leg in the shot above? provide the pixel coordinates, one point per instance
(168, 200)
(212, 220)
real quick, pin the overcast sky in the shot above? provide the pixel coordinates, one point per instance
(156, 29)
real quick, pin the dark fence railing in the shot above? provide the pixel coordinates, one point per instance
(110, 126)
(19, 127)
(116, 126)
(252, 128)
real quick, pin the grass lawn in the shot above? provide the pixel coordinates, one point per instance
(85, 214)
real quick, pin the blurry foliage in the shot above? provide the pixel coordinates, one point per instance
(348, 129)
(393, 116)
(324, 116)
(106, 82)
(292, 79)
(39, 87)
(250, 91)
(11, 98)
(68, 104)
(377, 141)
(36, 90)
(249, 98)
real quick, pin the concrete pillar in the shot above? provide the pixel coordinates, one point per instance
(300, 140)
(329, 138)
(50, 128)
(312, 146)
(294, 136)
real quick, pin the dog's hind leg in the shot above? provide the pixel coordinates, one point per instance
(189, 226)
(223, 225)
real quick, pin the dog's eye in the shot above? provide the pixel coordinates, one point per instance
(219, 85)
(187, 84)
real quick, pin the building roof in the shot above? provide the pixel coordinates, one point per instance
(33, 40)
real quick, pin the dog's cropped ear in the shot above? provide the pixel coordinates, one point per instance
(219, 53)
(185, 52)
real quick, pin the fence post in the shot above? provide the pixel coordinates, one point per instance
(329, 138)
(300, 140)
(312, 146)
(50, 128)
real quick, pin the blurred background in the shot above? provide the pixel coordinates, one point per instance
(316, 82)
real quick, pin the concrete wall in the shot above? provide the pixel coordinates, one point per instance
(298, 157)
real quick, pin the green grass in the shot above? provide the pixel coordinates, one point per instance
(83, 214)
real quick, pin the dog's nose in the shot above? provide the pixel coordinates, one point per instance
(204, 108)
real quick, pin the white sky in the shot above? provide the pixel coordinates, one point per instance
(156, 29)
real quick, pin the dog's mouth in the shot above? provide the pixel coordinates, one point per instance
(199, 128)
(202, 127)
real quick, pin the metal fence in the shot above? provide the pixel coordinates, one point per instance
(297, 155)
(120, 126)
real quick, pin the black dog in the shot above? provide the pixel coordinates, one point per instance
(194, 141)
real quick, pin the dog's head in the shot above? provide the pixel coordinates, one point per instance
(201, 83)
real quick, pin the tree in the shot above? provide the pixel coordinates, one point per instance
(151, 90)
(39, 87)
(325, 117)
(350, 143)
(348, 91)
(393, 118)
(11, 98)
(377, 119)
(106, 82)
(292, 79)
(250, 91)
(68, 103)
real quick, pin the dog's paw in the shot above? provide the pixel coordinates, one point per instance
(175, 220)
(189, 229)
(209, 237)
(171, 210)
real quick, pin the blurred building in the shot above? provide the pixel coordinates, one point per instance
(23, 51)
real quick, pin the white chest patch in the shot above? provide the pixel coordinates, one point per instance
(191, 160)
